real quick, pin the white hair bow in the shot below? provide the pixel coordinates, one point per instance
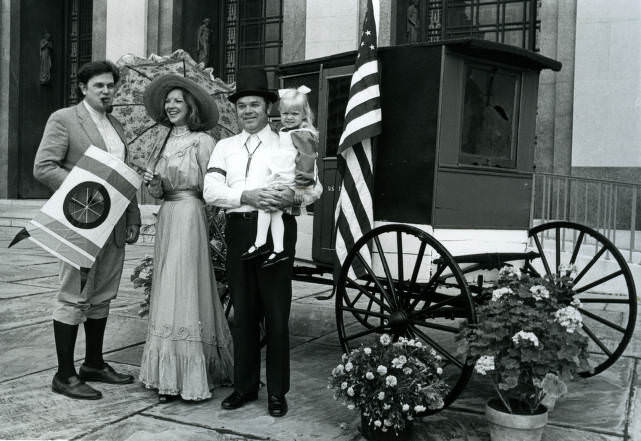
(301, 89)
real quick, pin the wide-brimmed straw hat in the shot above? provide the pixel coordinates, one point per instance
(252, 81)
(156, 92)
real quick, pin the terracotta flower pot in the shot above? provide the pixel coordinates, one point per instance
(373, 433)
(506, 426)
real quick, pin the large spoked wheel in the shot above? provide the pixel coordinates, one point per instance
(413, 288)
(603, 283)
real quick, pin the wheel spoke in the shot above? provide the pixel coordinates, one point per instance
(596, 340)
(365, 332)
(367, 293)
(436, 306)
(598, 282)
(557, 254)
(399, 258)
(437, 347)
(371, 273)
(577, 246)
(534, 272)
(450, 329)
(417, 264)
(432, 282)
(605, 300)
(365, 312)
(539, 247)
(388, 274)
(602, 320)
(589, 265)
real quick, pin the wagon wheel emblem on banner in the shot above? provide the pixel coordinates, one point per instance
(87, 205)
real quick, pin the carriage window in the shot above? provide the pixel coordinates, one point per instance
(338, 95)
(490, 117)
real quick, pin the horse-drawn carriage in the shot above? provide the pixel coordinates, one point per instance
(453, 201)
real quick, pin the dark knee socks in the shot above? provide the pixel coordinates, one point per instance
(65, 336)
(94, 333)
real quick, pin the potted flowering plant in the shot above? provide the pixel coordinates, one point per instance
(527, 341)
(141, 277)
(390, 383)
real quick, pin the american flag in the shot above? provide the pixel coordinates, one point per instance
(354, 211)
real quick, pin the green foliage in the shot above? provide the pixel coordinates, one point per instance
(527, 338)
(390, 382)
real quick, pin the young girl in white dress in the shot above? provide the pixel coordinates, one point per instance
(291, 165)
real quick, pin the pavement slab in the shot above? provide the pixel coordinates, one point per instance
(10, 290)
(15, 273)
(634, 427)
(32, 349)
(31, 411)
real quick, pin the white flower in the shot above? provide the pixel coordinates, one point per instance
(419, 408)
(567, 269)
(410, 418)
(349, 366)
(522, 335)
(391, 381)
(576, 303)
(418, 344)
(386, 406)
(569, 317)
(500, 292)
(399, 362)
(344, 357)
(385, 339)
(338, 370)
(406, 407)
(439, 371)
(381, 395)
(350, 391)
(351, 406)
(509, 273)
(344, 385)
(378, 423)
(382, 370)
(367, 351)
(387, 422)
(484, 364)
(407, 370)
(369, 375)
(540, 292)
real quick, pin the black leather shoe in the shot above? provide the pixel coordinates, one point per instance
(275, 259)
(237, 399)
(105, 375)
(73, 387)
(255, 252)
(277, 406)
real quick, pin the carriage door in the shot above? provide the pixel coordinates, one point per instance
(333, 97)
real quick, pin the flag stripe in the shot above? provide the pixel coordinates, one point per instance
(115, 179)
(61, 249)
(65, 231)
(370, 120)
(365, 108)
(360, 173)
(365, 93)
(365, 69)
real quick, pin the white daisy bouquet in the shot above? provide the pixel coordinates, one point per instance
(390, 382)
(527, 338)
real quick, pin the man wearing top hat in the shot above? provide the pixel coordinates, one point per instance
(236, 171)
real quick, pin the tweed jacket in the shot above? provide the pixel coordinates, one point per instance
(68, 133)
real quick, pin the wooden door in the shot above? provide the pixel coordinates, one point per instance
(333, 97)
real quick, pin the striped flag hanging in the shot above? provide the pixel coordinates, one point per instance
(354, 211)
(75, 223)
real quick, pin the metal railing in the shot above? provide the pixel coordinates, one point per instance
(611, 207)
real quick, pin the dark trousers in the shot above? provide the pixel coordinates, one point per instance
(258, 292)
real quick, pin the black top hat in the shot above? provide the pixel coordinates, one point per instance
(252, 81)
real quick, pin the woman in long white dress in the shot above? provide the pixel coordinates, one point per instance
(189, 345)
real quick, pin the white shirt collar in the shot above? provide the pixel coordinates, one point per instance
(261, 135)
(93, 112)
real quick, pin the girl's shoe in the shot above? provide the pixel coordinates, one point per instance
(254, 252)
(275, 259)
(166, 398)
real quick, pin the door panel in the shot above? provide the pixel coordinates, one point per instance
(333, 97)
(38, 101)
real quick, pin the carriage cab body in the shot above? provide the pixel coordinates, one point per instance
(455, 156)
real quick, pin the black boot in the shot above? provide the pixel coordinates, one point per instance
(94, 368)
(66, 381)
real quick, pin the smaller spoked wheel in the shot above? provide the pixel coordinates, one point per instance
(411, 287)
(602, 282)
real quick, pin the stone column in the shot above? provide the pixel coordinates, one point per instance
(553, 151)
(160, 26)
(9, 78)
(99, 31)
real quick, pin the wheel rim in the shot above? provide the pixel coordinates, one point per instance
(603, 284)
(423, 295)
